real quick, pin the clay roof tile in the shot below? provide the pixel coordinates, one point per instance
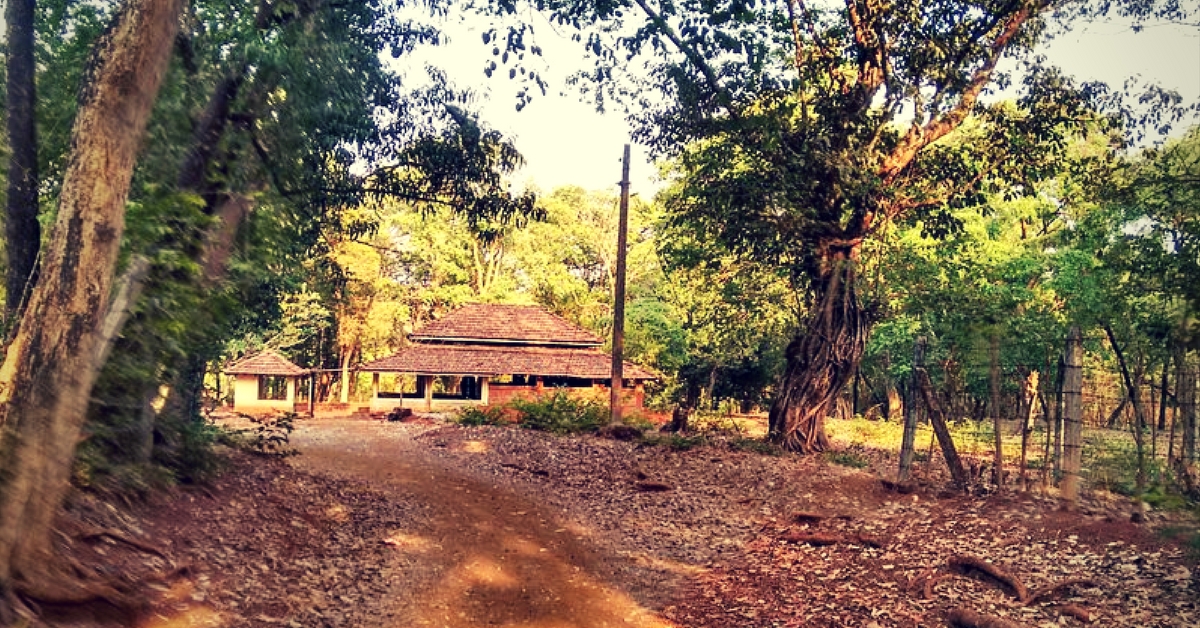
(505, 324)
(264, 363)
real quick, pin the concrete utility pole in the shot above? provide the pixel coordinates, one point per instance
(618, 343)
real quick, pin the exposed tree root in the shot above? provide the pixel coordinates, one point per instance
(121, 538)
(808, 517)
(1078, 612)
(918, 581)
(963, 618)
(1047, 593)
(972, 566)
(67, 588)
(55, 587)
(823, 539)
(620, 432)
(903, 488)
(932, 583)
(816, 517)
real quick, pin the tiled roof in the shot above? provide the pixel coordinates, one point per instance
(443, 359)
(505, 324)
(264, 363)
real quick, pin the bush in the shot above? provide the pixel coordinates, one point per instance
(270, 434)
(637, 421)
(481, 415)
(195, 460)
(559, 413)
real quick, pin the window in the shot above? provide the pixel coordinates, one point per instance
(272, 387)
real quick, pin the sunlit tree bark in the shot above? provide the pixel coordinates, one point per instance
(48, 372)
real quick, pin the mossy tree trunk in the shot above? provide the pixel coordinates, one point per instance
(48, 372)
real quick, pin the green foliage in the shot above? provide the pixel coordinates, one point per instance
(677, 442)
(270, 434)
(191, 456)
(481, 415)
(1111, 462)
(561, 413)
(1161, 497)
(557, 412)
(637, 421)
(847, 459)
(755, 446)
(1187, 536)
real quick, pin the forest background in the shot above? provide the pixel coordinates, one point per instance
(189, 184)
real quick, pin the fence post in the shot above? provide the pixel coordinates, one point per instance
(1185, 390)
(910, 412)
(1072, 416)
(1059, 376)
(994, 402)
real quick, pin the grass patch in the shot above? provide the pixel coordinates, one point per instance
(755, 446)
(1188, 538)
(637, 421)
(676, 442)
(847, 459)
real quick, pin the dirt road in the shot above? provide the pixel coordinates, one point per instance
(485, 555)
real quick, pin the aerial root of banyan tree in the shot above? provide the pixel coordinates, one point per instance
(820, 362)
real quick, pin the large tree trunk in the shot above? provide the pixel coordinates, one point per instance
(821, 359)
(48, 371)
(21, 228)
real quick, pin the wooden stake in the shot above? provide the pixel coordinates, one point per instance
(910, 413)
(997, 424)
(618, 344)
(942, 431)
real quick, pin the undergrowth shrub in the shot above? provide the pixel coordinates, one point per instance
(677, 442)
(481, 415)
(756, 446)
(193, 460)
(1187, 536)
(637, 421)
(1110, 463)
(270, 434)
(560, 413)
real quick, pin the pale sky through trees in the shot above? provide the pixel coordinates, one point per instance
(566, 142)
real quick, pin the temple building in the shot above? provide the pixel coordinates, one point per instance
(488, 354)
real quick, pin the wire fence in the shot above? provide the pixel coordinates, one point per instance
(1129, 441)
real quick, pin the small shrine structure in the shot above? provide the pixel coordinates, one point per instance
(264, 382)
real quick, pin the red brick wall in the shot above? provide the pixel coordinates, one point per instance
(634, 399)
(500, 395)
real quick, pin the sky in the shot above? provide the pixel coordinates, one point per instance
(565, 141)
